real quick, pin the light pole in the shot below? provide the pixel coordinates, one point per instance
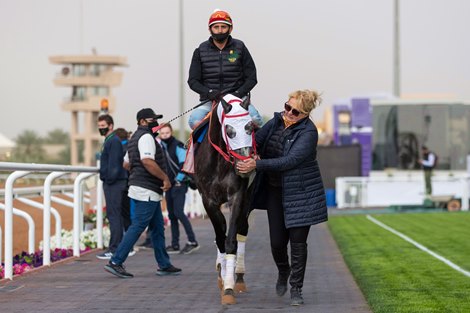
(182, 84)
(396, 50)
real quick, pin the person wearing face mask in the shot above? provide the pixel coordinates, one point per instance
(176, 196)
(147, 182)
(289, 186)
(114, 178)
(221, 64)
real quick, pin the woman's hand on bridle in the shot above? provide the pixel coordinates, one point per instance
(246, 166)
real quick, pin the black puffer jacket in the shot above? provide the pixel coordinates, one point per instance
(303, 195)
(231, 69)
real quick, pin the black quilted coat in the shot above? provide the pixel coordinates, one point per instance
(303, 195)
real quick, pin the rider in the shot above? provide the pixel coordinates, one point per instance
(221, 64)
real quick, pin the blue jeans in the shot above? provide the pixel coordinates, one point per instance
(198, 114)
(175, 198)
(145, 213)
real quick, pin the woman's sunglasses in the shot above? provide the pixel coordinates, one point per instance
(288, 108)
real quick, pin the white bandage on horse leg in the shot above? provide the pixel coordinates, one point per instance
(240, 268)
(229, 281)
(220, 260)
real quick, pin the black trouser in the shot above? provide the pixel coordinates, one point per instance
(278, 233)
(113, 196)
(126, 209)
(280, 237)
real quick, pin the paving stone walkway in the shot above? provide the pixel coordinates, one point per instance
(81, 285)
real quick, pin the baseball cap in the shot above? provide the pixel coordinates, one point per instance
(147, 113)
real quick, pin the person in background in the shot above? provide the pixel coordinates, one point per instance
(114, 178)
(289, 185)
(147, 182)
(126, 210)
(428, 162)
(221, 65)
(176, 195)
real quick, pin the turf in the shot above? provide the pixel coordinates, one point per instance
(394, 275)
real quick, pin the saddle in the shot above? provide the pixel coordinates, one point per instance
(195, 138)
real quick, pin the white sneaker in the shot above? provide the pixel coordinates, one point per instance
(132, 253)
(105, 255)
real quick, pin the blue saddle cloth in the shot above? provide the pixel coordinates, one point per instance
(200, 131)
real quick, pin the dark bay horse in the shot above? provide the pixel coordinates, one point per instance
(230, 138)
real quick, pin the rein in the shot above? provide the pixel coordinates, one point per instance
(230, 155)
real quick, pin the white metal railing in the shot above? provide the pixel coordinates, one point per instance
(55, 213)
(31, 226)
(398, 190)
(23, 169)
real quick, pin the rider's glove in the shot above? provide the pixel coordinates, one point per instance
(213, 94)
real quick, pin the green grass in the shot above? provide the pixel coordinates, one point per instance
(394, 275)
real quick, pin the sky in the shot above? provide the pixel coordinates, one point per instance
(340, 48)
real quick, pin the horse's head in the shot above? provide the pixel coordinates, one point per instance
(237, 127)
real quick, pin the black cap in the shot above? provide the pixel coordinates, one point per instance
(147, 113)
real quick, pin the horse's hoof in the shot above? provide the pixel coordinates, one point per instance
(240, 287)
(220, 283)
(228, 297)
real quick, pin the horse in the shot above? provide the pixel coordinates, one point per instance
(229, 139)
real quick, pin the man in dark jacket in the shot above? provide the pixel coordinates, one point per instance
(147, 182)
(221, 64)
(114, 179)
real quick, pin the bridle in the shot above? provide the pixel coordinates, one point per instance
(230, 156)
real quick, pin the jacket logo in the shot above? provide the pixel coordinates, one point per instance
(233, 56)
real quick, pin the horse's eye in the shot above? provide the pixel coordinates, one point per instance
(231, 133)
(249, 128)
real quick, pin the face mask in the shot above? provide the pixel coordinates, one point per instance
(220, 37)
(167, 140)
(103, 131)
(151, 126)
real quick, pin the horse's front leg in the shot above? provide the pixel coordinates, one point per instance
(242, 227)
(220, 226)
(231, 248)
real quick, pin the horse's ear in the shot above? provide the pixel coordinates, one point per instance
(245, 103)
(227, 107)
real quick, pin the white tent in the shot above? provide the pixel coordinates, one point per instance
(6, 145)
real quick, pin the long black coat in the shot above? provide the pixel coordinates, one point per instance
(303, 195)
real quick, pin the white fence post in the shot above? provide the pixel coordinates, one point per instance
(99, 213)
(77, 191)
(46, 249)
(9, 222)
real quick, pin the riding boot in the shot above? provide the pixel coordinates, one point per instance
(298, 263)
(282, 262)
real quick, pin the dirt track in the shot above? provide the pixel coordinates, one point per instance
(20, 226)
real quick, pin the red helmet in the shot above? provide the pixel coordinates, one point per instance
(220, 16)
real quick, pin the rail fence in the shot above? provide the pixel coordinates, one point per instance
(20, 170)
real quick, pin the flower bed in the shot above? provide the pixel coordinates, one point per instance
(25, 261)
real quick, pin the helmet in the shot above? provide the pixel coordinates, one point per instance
(220, 16)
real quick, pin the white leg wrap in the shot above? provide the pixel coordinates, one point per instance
(221, 260)
(240, 268)
(229, 281)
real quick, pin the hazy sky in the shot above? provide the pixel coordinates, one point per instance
(341, 48)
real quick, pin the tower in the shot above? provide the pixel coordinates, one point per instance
(91, 78)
